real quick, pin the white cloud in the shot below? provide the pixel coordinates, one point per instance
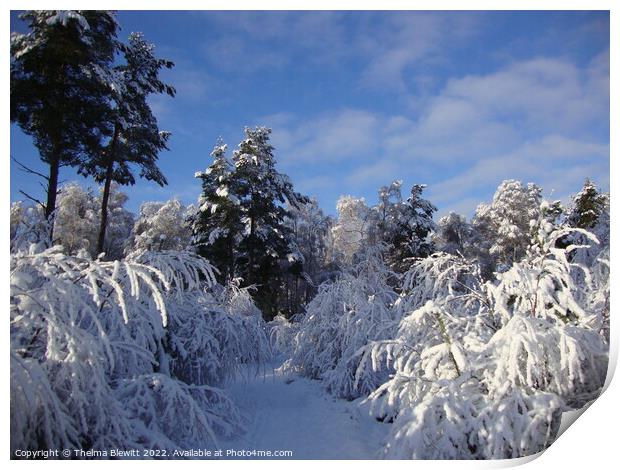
(556, 163)
(531, 120)
(406, 41)
(332, 137)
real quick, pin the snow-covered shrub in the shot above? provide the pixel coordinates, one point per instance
(517, 424)
(29, 228)
(213, 334)
(91, 342)
(166, 412)
(444, 278)
(440, 425)
(161, 226)
(282, 333)
(533, 354)
(57, 304)
(76, 225)
(551, 339)
(345, 316)
(597, 295)
(426, 348)
(484, 370)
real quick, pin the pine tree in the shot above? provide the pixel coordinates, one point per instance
(453, 234)
(216, 227)
(136, 139)
(57, 95)
(241, 224)
(410, 234)
(587, 207)
(266, 243)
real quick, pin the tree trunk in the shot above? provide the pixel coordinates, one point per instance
(106, 192)
(104, 206)
(52, 191)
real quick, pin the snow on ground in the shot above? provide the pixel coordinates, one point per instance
(289, 412)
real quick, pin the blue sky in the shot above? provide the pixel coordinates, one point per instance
(456, 100)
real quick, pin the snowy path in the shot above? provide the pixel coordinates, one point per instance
(288, 412)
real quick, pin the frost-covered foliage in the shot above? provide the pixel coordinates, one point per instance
(29, 228)
(119, 223)
(454, 234)
(401, 227)
(484, 370)
(282, 332)
(343, 317)
(310, 230)
(107, 354)
(503, 226)
(78, 216)
(77, 219)
(162, 226)
(212, 336)
(76, 222)
(462, 366)
(353, 228)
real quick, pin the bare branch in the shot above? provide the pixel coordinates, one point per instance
(25, 169)
(33, 199)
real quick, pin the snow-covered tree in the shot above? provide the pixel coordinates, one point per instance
(503, 227)
(120, 223)
(28, 227)
(162, 226)
(587, 206)
(352, 229)
(77, 221)
(407, 235)
(217, 225)
(56, 94)
(453, 234)
(249, 196)
(77, 218)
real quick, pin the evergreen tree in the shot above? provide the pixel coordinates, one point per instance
(216, 227)
(136, 139)
(588, 205)
(453, 234)
(57, 92)
(266, 249)
(241, 224)
(410, 232)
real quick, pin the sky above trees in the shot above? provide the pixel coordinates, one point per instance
(456, 100)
